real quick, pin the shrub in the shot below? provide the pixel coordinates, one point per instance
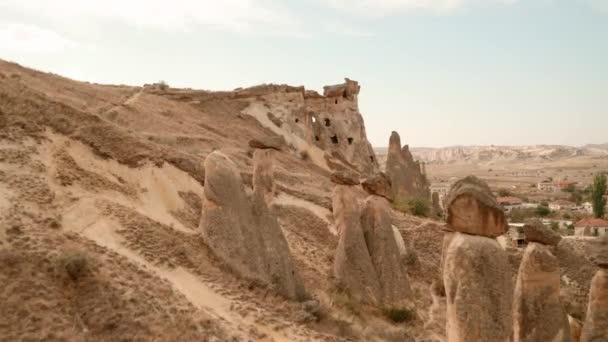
(400, 315)
(74, 263)
(543, 211)
(504, 192)
(415, 206)
(304, 155)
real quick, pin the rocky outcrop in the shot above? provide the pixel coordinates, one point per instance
(596, 321)
(595, 327)
(436, 205)
(407, 179)
(378, 185)
(477, 280)
(353, 267)
(383, 248)
(263, 175)
(538, 314)
(241, 231)
(345, 178)
(367, 262)
(274, 142)
(476, 270)
(472, 209)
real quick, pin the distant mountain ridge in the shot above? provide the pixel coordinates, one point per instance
(493, 153)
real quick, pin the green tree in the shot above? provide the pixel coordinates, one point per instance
(597, 195)
(543, 211)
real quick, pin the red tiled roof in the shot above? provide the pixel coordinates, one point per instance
(592, 222)
(508, 200)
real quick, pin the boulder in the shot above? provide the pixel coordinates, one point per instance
(383, 249)
(263, 175)
(242, 232)
(472, 209)
(477, 279)
(538, 314)
(378, 185)
(345, 177)
(598, 251)
(406, 177)
(595, 327)
(274, 142)
(353, 267)
(536, 231)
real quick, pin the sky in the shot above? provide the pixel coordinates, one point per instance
(440, 72)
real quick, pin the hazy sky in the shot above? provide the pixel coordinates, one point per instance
(440, 72)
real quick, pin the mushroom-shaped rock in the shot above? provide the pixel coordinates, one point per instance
(472, 209)
(345, 177)
(538, 314)
(378, 185)
(598, 251)
(353, 267)
(536, 231)
(477, 279)
(243, 233)
(596, 321)
(384, 251)
(275, 142)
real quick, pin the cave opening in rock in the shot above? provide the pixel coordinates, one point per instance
(327, 122)
(371, 158)
(316, 138)
(334, 139)
(350, 140)
(297, 120)
(336, 101)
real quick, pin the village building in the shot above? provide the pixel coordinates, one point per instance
(591, 227)
(562, 205)
(509, 202)
(555, 186)
(516, 235)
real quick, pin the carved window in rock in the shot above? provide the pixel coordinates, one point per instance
(350, 140)
(327, 122)
(334, 139)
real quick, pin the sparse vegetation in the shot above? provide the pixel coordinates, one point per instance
(504, 192)
(597, 195)
(74, 263)
(414, 206)
(400, 315)
(163, 85)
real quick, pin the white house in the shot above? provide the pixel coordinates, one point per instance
(591, 227)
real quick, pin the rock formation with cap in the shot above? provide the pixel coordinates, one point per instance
(241, 231)
(476, 270)
(538, 314)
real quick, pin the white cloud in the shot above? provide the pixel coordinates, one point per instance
(18, 38)
(387, 7)
(232, 15)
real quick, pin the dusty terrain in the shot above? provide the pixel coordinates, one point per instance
(101, 189)
(100, 203)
